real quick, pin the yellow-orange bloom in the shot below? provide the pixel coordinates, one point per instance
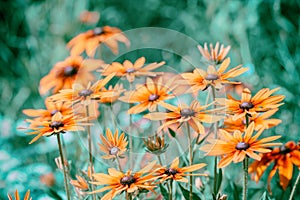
(17, 196)
(214, 54)
(80, 183)
(149, 96)
(111, 94)
(284, 158)
(113, 145)
(237, 146)
(262, 101)
(176, 173)
(91, 39)
(194, 115)
(117, 181)
(131, 70)
(64, 74)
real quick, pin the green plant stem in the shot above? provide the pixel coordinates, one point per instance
(171, 190)
(295, 186)
(112, 116)
(159, 160)
(245, 169)
(129, 135)
(190, 159)
(119, 164)
(63, 166)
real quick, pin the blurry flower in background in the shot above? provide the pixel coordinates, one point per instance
(89, 17)
(111, 94)
(284, 158)
(48, 179)
(214, 54)
(130, 70)
(17, 196)
(90, 40)
(64, 74)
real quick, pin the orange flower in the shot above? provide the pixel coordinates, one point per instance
(131, 70)
(89, 17)
(194, 115)
(149, 95)
(130, 182)
(64, 74)
(59, 124)
(284, 158)
(200, 79)
(262, 101)
(237, 146)
(111, 94)
(214, 55)
(113, 145)
(80, 183)
(176, 173)
(17, 196)
(91, 39)
(260, 121)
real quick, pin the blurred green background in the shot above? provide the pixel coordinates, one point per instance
(264, 36)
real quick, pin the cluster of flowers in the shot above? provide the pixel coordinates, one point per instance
(75, 97)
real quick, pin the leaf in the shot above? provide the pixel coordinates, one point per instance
(186, 194)
(54, 194)
(219, 180)
(164, 192)
(173, 134)
(265, 196)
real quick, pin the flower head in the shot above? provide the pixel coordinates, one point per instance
(17, 196)
(80, 183)
(111, 94)
(91, 39)
(214, 54)
(237, 146)
(156, 145)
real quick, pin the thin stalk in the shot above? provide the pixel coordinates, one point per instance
(190, 159)
(112, 116)
(295, 186)
(245, 167)
(119, 164)
(90, 150)
(159, 159)
(171, 190)
(129, 135)
(63, 165)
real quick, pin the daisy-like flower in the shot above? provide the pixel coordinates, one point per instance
(200, 79)
(284, 158)
(113, 145)
(194, 115)
(80, 183)
(17, 196)
(149, 96)
(64, 74)
(59, 124)
(237, 146)
(260, 121)
(131, 70)
(111, 94)
(117, 181)
(178, 174)
(91, 39)
(214, 54)
(262, 101)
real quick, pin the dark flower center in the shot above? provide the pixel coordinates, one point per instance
(212, 77)
(98, 31)
(127, 180)
(130, 70)
(187, 112)
(56, 125)
(242, 146)
(153, 97)
(85, 93)
(246, 105)
(114, 151)
(70, 71)
(285, 150)
(53, 112)
(170, 172)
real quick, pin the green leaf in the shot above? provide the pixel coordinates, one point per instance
(53, 193)
(164, 192)
(186, 194)
(219, 180)
(173, 134)
(265, 196)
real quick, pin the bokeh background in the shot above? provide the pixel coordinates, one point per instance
(264, 36)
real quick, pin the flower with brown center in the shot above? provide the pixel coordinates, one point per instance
(131, 70)
(194, 115)
(215, 54)
(80, 183)
(284, 158)
(149, 96)
(64, 74)
(90, 40)
(113, 145)
(237, 146)
(262, 101)
(17, 196)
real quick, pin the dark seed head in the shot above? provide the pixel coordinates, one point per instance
(85, 93)
(130, 70)
(114, 151)
(212, 77)
(285, 150)
(53, 112)
(127, 180)
(242, 146)
(98, 31)
(246, 105)
(170, 172)
(187, 112)
(70, 71)
(153, 97)
(56, 125)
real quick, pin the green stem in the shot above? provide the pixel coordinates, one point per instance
(159, 159)
(171, 190)
(245, 167)
(190, 159)
(129, 135)
(63, 165)
(119, 164)
(295, 186)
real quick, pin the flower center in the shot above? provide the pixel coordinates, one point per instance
(53, 112)
(130, 70)
(98, 31)
(242, 146)
(153, 97)
(85, 93)
(212, 77)
(70, 71)
(187, 112)
(114, 151)
(127, 180)
(285, 150)
(171, 171)
(246, 105)
(56, 125)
